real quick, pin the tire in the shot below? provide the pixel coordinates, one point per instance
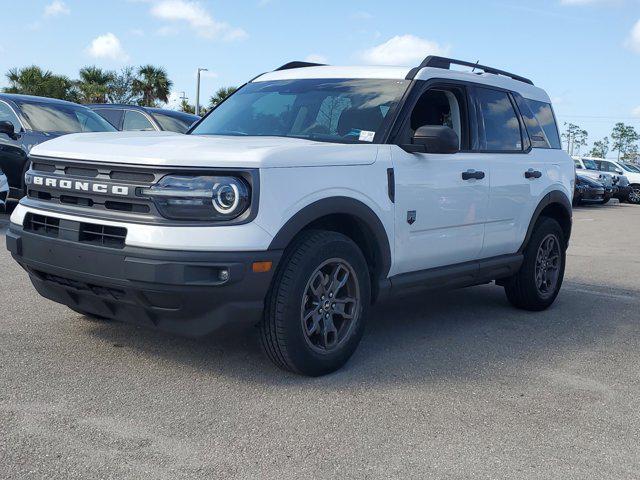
(605, 201)
(634, 195)
(523, 289)
(294, 334)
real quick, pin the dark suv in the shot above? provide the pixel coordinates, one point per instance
(26, 121)
(135, 118)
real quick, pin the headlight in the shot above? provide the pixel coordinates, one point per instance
(200, 198)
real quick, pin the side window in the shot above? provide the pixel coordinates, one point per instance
(577, 163)
(111, 115)
(7, 115)
(547, 120)
(536, 133)
(445, 106)
(136, 121)
(499, 127)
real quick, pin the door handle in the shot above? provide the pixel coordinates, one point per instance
(531, 173)
(472, 174)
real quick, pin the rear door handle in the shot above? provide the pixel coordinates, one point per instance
(472, 174)
(531, 173)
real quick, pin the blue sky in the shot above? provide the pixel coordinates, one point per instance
(585, 53)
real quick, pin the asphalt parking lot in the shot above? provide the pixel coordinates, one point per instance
(453, 385)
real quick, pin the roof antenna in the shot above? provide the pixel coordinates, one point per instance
(474, 67)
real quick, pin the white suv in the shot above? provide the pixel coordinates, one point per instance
(305, 197)
(632, 172)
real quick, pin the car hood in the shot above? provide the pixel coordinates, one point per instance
(605, 178)
(173, 149)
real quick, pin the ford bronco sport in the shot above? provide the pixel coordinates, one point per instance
(308, 195)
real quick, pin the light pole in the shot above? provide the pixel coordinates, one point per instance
(198, 90)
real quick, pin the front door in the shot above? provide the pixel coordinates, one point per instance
(441, 199)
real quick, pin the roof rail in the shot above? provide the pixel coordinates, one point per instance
(298, 64)
(444, 62)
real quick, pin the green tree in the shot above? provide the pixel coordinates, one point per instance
(121, 87)
(43, 83)
(624, 140)
(93, 85)
(186, 107)
(221, 94)
(600, 148)
(576, 138)
(152, 85)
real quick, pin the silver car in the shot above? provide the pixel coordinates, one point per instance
(4, 190)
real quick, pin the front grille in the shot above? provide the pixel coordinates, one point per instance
(88, 233)
(104, 203)
(102, 235)
(42, 225)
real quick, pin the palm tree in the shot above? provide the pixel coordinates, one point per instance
(153, 85)
(221, 94)
(94, 84)
(35, 81)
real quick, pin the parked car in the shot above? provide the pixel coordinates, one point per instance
(307, 195)
(624, 188)
(588, 190)
(588, 168)
(4, 190)
(621, 168)
(146, 119)
(26, 121)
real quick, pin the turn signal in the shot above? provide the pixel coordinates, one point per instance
(261, 267)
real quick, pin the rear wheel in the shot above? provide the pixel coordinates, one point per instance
(537, 284)
(634, 195)
(316, 309)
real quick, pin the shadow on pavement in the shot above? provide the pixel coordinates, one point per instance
(417, 340)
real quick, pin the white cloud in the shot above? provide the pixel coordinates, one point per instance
(403, 50)
(636, 111)
(316, 58)
(197, 18)
(633, 40)
(362, 16)
(108, 47)
(55, 8)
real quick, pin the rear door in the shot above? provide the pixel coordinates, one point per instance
(13, 157)
(519, 173)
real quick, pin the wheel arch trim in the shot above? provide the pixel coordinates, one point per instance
(554, 197)
(342, 206)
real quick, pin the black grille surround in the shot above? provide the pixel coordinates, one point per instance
(132, 207)
(82, 232)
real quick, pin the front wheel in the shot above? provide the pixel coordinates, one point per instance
(316, 309)
(537, 284)
(634, 195)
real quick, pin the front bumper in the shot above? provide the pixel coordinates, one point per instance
(175, 291)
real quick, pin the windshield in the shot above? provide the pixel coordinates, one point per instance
(341, 111)
(63, 118)
(590, 164)
(630, 168)
(173, 124)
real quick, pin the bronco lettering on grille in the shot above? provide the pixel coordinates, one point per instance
(80, 186)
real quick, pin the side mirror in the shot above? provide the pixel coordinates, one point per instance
(7, 129)
(434, 139)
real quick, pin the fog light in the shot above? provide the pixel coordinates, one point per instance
(223, 275)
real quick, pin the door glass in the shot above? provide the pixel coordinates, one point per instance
(111, 115)
(136, 121)
(499, 125)
(7, 115)
(441, 107)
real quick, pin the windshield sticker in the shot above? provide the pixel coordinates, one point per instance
(366, 136)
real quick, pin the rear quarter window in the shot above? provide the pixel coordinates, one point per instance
(543, 113)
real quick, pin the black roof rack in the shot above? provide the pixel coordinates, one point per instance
(444, 62)
(298, 64)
